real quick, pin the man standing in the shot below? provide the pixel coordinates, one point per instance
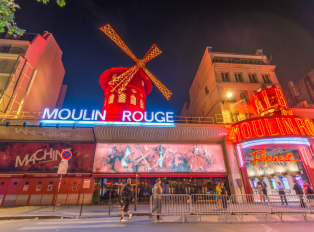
(298, 190)
(127, 196)
(157, 191)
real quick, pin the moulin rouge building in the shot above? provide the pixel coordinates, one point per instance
(191, 153)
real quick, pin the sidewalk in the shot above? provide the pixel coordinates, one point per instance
(69, 211)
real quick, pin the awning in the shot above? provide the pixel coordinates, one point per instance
(181, 133)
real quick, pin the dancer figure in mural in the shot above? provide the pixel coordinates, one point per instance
(160, 160)
(124, 161)
(193, 157)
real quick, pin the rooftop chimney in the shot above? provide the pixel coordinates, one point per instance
(259, 52)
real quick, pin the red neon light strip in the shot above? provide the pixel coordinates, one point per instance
(308, 158)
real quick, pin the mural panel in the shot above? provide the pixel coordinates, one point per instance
(127, 157)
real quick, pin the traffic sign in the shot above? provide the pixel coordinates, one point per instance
(66, 155)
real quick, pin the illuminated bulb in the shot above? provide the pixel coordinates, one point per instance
(229, 94)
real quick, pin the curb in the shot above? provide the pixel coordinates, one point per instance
(68, 217)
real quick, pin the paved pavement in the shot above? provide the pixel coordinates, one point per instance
(172, 223)
(67, 211)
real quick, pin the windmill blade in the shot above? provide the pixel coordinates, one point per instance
(122, 81)
(115, 38)
(152, 53)
(163, 89)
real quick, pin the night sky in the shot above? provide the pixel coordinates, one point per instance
(181, 29)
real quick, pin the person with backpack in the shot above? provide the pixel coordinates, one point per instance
(127, 197)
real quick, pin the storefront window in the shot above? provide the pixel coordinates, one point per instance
(273, 183)
(284, 181)
(254, 183)
(299, 180)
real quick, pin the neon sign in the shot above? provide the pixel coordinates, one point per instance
(271, 126)
(269, 158)
(96, 115)
(270, 101)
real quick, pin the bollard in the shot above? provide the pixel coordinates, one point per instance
(82, 204)
(109, 201)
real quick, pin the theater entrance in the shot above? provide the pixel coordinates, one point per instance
(109, 189)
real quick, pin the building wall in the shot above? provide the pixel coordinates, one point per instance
(208, 90)
(303, 90)
(44, 56)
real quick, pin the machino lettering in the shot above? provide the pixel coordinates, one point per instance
(39, 156)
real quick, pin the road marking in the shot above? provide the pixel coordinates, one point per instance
(76, 222)
(71, 227)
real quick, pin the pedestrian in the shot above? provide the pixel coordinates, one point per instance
(260, 191)
(224, 195)
(120, 196)
(298, 190)
(264, 188)
(308, 192)
(157, 191)
(127, 196)
(218, 190)
(282, 193)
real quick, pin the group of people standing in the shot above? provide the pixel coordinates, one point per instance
(222, 195)
(262, 190)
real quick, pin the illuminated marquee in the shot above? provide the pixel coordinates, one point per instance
(271, 126)
(269, 158)
(270, 101)
(96, 115)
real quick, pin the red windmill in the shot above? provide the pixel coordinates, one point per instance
(127, 88)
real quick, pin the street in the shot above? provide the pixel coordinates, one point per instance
(170, 223)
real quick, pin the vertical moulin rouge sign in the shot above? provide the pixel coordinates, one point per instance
(45, 157)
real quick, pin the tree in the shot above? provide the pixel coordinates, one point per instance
(7, 11)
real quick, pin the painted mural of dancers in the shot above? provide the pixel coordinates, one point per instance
(124, 160)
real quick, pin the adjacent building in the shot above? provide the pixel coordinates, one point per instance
(31, 74)
(225, 83)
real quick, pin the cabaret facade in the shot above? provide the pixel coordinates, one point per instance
(275, 147)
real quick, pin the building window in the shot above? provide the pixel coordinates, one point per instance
(253, 78)
(122, 98)
(142, 103)
(254, 183)
(273, 183)
(225, 76)
(133, 91)
(133, 100)
(3, 65)
(244, 95)
(299, 180)
(143, 83)
(238, 77)
(266, 79)
(141, 95)
(111, 98)
(284, 181)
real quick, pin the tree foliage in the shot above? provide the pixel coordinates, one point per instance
(7, 11)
